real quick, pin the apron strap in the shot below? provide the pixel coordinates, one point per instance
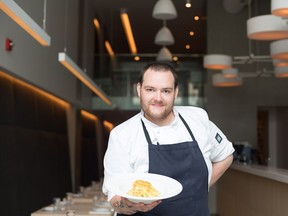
(185, 123)
(146, 133)
(188, 128)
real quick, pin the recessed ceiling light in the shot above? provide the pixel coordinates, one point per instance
(187, 46)
(191, 33)
(196, 18)
(188, 4)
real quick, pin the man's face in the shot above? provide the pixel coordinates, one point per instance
(157, 94)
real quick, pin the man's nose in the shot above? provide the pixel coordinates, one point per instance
(158, 95)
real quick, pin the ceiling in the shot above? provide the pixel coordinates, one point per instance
(145, 27)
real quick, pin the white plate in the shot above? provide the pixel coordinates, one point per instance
(103, 204)
(121, 184)
(48, 208)
(101, 210)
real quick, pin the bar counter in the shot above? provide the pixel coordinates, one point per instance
(272, 173)
(253, 190)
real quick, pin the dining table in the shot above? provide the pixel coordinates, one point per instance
(79, 209)
(89, 201)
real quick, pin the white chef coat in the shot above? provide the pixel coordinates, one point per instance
(127, 150)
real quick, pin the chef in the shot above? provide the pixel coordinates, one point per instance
(176, 141)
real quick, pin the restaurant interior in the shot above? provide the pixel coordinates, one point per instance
(68, 72)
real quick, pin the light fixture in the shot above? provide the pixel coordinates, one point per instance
(164, 10)
(128, 31)
(279, 8)
(267, 27)
(96, 24)
(281, 72)
(164, 37)
(220, 81)
(164, 54)
(230, 73)
(25, 21)
(280, 62)
(109, 48)
(217, 61)
(279, 49)
(188, 4)
(67, 62)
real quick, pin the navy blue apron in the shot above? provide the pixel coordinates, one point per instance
(185, 163)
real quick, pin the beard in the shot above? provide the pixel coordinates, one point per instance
(157, 112)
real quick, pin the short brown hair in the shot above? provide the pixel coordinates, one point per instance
(159, 66)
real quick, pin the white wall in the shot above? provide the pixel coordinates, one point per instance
(38, 64)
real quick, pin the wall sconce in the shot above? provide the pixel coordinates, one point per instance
(267, 27)
(217, 61)
(67, 62)
(25, 21)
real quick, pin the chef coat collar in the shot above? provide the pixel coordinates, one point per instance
(153, 125)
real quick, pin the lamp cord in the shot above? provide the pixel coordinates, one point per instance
(44, 15)
(65, 26)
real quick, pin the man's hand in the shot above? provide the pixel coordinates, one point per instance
(123, 206)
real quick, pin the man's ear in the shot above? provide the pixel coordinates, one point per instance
(138, 89)
(176, 92)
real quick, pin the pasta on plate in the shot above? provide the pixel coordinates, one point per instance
(142, 188)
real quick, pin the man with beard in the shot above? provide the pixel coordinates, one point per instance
(146, 143)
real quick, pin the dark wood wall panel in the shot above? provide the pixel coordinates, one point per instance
(24, 101)
(34, 149)
(89, 155)
(9, 172)
(6, 100)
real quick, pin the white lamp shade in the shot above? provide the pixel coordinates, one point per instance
(164, 54)
(279, 49)
(280, 62)
(279, 8)
(164, 37)
(281, 72)
(267, 27)
(220, 81)
(230, 73)
(217, 62)
(164, 10)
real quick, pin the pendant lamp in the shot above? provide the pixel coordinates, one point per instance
(164, 54)
(164, 10)
(281, 72)
(279, 49)
(279, 8)
(267, 27)
(217, 61)
(230, 73)
(164, 37)
(280, 62)
(220, 81)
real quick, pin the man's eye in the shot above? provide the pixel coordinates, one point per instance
(149, 90)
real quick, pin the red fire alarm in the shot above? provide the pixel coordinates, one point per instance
(8, 44)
